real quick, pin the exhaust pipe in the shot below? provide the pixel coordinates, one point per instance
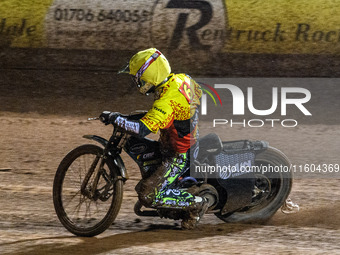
(148, 213)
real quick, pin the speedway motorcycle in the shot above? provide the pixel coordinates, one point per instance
(88, 184)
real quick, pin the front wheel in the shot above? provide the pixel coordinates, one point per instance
(81, 214)
(271, 188)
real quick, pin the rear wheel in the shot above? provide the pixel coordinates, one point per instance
(81, 214)
(271, 188)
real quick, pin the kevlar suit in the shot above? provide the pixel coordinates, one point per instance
(175, 113)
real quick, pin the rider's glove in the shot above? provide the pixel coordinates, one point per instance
(108, 117)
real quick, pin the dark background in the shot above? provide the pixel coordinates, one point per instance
(89, 92)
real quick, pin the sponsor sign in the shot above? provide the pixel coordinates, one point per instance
(284, 27)
(279, 27)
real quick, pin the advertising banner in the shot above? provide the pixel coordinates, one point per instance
(230, 26)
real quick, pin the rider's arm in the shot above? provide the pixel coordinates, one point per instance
(159, 116)
(136, 127)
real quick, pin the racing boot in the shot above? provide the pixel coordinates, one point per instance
(195, 214)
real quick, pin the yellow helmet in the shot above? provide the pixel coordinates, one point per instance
(149, 68)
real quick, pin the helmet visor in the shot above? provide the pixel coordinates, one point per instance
(125, 69)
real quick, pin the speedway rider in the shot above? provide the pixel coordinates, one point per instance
(175, 114)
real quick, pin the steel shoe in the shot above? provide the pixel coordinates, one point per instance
(289, 207)
(195, 214)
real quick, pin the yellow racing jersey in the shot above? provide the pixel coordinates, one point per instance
(175, 112)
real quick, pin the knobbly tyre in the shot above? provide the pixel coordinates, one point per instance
(88, 185)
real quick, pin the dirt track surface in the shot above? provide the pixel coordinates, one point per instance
(43, 116)
(32, 147)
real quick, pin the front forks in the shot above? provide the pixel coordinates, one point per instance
(90, 190)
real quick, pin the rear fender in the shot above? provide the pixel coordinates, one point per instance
(116, 159)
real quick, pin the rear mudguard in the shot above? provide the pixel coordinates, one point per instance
(117, 160)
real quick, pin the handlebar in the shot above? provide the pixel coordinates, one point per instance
(135, 114)
(94, 118)
(120, 135)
